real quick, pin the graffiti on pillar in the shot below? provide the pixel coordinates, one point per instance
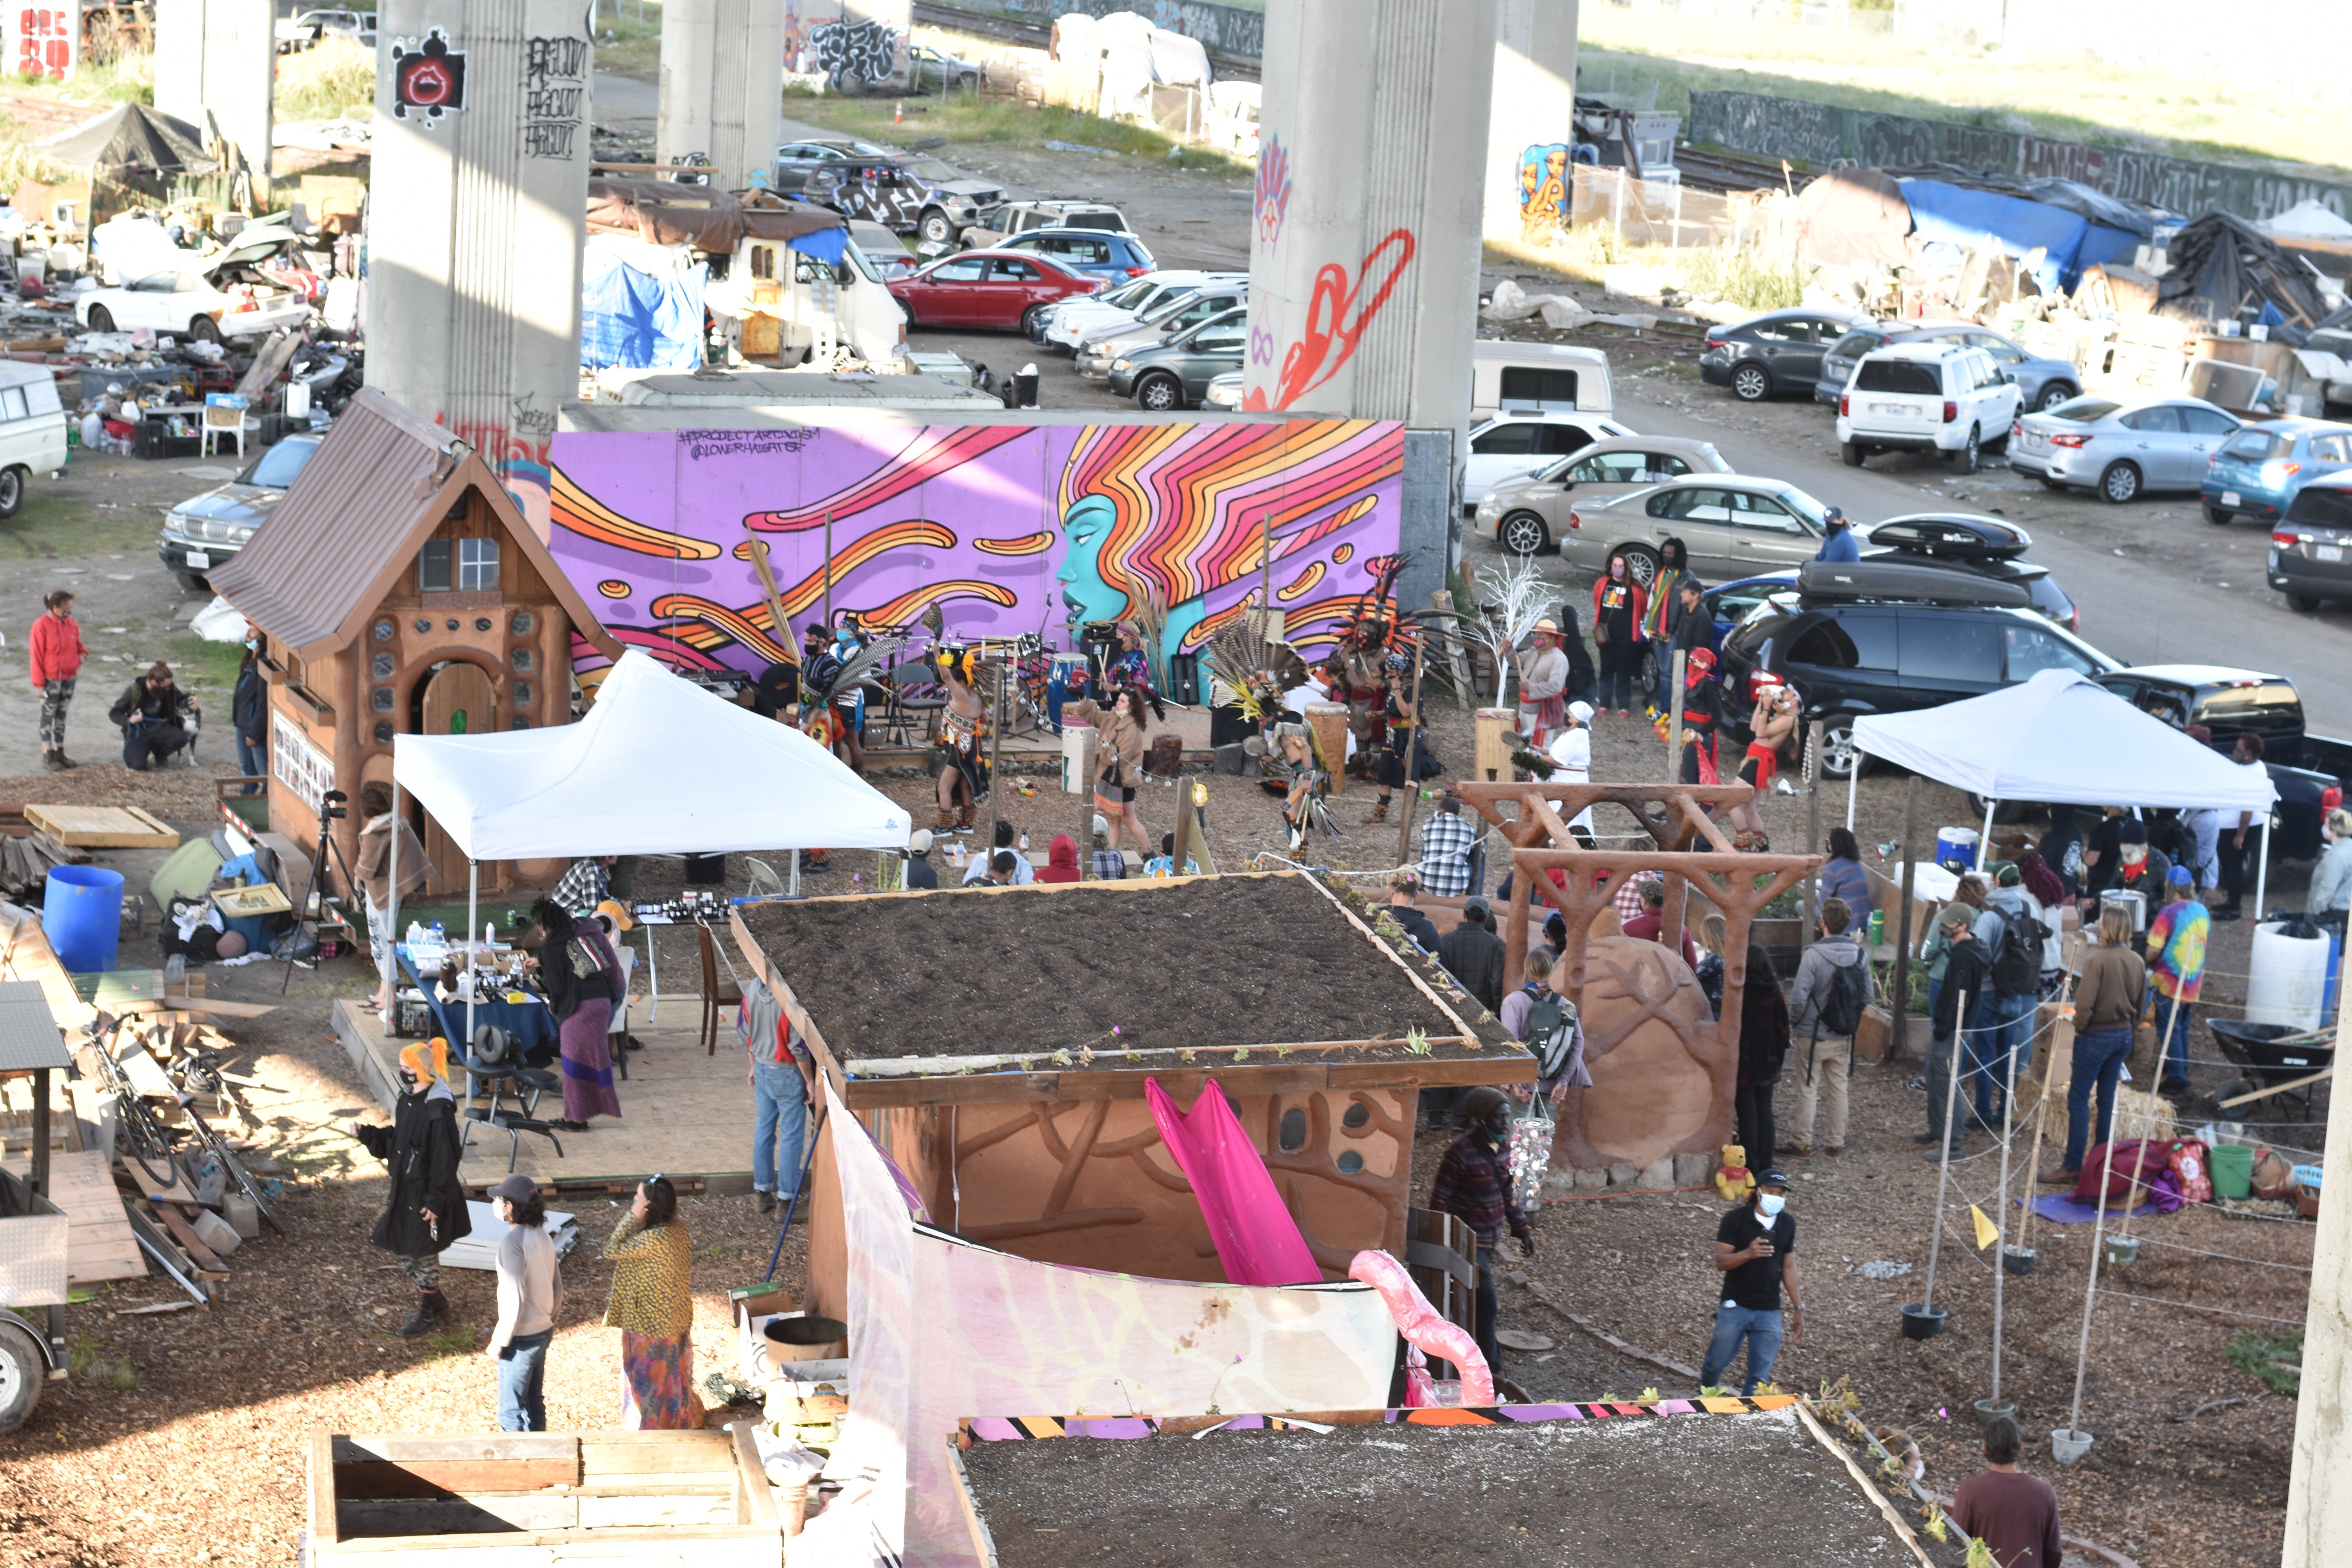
(1271, 196)
(39, 40)
(555, 89)
(1338, 313)
(1543, 188)
(867, 51)
(429, 80)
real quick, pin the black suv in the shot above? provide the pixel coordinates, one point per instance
(1877, 637)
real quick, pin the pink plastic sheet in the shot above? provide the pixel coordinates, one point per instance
(1419, 1322)
(1257, 1241)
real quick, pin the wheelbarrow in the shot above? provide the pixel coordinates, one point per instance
(2273, 1054)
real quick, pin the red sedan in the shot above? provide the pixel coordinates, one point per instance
(987, 289)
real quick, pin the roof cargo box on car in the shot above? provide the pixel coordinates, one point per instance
(1923, 583)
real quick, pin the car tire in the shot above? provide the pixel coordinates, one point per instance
(933, 228)
(1030, 328)
(1641, 564)
(2050, 484)
(1751, 382)
(205, 329)
(1839, 757)
(2055, 393)
(2302, 604)
(23, 1370)
(191, 583)
(102, 320)
(1159, 394)
(1524, 533)
(2219, 518)
(1853, 454)
(2120, 483)
(12, 491)
(1964, 460)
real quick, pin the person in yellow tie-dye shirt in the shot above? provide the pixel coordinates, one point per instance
(2176, 968)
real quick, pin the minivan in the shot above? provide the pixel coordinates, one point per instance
(1537, 378)
(32, 430)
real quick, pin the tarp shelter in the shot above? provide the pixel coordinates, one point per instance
(713, 221)
(130, 141)
(640, 306)
(659, 766)
(2065, 739)
(2221, 265)
(1853, 217)
(2015, 225)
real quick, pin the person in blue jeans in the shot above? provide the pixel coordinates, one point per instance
(778, 1130)
(2107, 1003)
(530, 1290)
(1755, 1248)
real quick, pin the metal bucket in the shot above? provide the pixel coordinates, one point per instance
(2122, 1249)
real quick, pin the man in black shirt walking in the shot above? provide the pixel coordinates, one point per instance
(1755, 1248)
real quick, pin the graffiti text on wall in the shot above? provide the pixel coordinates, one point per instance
(555, 88)
(867, 51)
(39, 40)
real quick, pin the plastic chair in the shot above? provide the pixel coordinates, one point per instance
(764, 883)
(617, 1033)
(719, 993)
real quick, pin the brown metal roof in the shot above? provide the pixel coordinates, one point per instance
(354, 520)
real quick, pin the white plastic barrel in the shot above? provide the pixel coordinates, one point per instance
(2287, 983)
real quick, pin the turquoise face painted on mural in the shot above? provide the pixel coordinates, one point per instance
(1087, 597)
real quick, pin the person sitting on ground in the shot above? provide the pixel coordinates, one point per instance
(2014, 1514)
(2331, 879)
(1003, 866)
(1473, 954)
(1474, 1185)
(1842, 876)
(1403, 891)
(1061, 861)
(1164, 863)
(1448, 842)
(153, 715)
(1022, 872)
(1650, 925)
(919, 871)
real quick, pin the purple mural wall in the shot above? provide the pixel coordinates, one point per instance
(1009, 529)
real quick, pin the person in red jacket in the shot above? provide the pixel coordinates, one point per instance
(1618, 604)
(58, 653)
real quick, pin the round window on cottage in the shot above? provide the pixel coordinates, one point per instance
(518, 722)
(523, 693)
(522, 623)
(453, 623)
(381, 666)
(423, 625)
(384, 732)
(1294, 1131)
(1349, 1163)
(1358, 1117)
(519, 659)
(482, 623)
(384, 630)
(381, 699)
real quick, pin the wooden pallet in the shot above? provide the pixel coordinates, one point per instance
(102, 826)
(98, 1241)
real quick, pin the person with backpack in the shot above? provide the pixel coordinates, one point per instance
(2011, 929)
(1967, 974)
(1834, 987)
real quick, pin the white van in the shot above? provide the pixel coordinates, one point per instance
(1537, 378)
(32, 430)
(778, 304)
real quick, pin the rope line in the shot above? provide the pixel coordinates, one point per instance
(2194, 1307)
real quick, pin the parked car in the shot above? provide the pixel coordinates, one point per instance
(204, 531)
(32, 430)
(1072, 322)
(2307, 561)
(932, 69)
(1528, 514)
(1004, 219)
(1165, 321)
(2257, 471)
(1985, 545)
(1226, 392)
(1868, 637)
(2121, 449)
(1100, 252)
(1733, 525)
(1511, 377)
(920, 196)
(796, 160)
(1176, 373)
(986, 289)
(304, 30)
(228, 296)
(2230, 702)
(2040, 383)
(1933, 396)
(1776, 353)
(882, 248)
(1516, 444)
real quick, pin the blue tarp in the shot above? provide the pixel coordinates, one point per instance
(823, 245)
(1951, 214)
(636, 321)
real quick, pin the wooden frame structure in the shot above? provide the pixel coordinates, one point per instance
(1051, 1155)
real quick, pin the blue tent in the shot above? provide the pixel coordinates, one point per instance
(636, 320)
(1954, 214)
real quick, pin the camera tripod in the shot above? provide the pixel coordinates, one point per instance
(331, 810)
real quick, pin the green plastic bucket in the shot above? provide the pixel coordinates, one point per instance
(2233, 1170)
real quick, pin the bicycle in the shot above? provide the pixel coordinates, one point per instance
(142, 1135)
(201, 1070)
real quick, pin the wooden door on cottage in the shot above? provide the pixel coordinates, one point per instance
(457, 700)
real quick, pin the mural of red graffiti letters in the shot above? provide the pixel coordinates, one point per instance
(1337, 315)
(1008, 529)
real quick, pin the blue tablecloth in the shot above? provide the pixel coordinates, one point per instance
(528, 1023)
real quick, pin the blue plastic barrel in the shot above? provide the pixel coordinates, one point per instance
(81, 911)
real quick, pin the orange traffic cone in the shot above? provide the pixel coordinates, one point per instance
(899, 115)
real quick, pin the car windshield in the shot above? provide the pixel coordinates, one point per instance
(2321, 505)
(2083, 410)
(2255, 446)
(856, 254)
(2261, 704)
(1814, 515)
(1853, 345)
(932, 169)
(1168, 307)
(276, 468)
(1133, 295)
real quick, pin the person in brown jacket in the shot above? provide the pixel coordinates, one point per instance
(374, 874)
(2107, 1002)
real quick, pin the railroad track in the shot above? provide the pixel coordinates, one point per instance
(1724, 174)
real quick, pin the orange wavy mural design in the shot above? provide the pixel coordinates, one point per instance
(614, 588)
(1027, 544)
(584, 515)
(1302, 583)
(1342, 553)
(902, 610)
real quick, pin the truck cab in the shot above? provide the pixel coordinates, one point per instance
(2229, 704)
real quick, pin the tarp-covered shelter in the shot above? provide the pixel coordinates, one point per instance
(662, 212)
(1852, 217)
(2224, 267)
(640, 306)
(130, 141)
(1971, 219)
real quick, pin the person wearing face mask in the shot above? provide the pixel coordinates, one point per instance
(1838, 542)
(1755, 1249)
(1473, 1185)
(248, 708)
(2139, 867)
(425, 1210)
(1618, 607)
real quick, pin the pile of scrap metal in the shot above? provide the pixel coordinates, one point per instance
(2223, 270)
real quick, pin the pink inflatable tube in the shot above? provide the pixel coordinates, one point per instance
(1418, 1322)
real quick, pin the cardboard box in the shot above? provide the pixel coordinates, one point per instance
(1875, 1041)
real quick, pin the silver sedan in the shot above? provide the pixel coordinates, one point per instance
(1733, 526)
(2121, 449)
(1527, 514)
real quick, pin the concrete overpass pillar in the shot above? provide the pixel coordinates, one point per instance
(477, 213)
(1365, 244)
(1529, 133)
(220, 55)
(2318, 1515)
(723, 64)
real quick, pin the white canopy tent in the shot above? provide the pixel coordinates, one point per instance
(2064, 739)
(657, 766)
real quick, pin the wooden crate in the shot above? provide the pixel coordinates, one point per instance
(102, 826)
(505, 1499)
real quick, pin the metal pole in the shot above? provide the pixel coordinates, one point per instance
(388, 973)
(1984, 839)
(2001, 1238)
(828, 580)
(1852, 787)
(2262, 869)
(1901, 1021)
(473, 878)
(1944, 1164)
(1812, 835)
(652, 972)
(996, 761)
(2091, 1292)
(795, 889)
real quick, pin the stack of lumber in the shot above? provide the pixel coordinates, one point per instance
(27, 853)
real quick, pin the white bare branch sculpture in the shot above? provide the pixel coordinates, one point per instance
(1512, 596)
